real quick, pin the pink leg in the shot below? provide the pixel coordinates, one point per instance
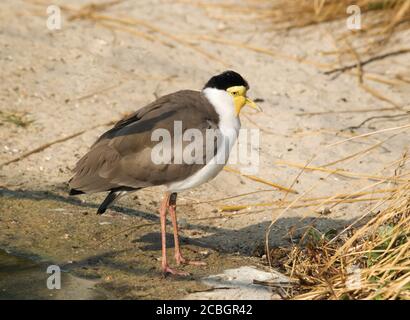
(178, 256)
(163, 212)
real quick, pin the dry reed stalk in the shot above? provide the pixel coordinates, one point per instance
(361, 152)
(305, 205)
(365, 135)
(265, 51)
(340, 172)
(261, 180)
(91, 12)
(54, 142)
(365, 110)
(338, 198)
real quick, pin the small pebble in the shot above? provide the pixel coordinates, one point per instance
(326, 211)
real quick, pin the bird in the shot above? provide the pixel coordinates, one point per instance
(121, 160)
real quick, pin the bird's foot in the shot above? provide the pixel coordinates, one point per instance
(181, 260)
(168, 270)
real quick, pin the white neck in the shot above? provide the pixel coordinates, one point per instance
(222, 101)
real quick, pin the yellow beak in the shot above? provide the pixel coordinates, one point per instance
(252, 104)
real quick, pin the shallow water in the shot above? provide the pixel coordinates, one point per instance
(22, 278)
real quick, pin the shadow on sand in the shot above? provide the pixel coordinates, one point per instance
(246, 241)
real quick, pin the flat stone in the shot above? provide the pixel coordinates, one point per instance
(237, 284)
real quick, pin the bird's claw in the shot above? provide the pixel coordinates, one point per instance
(168, 270)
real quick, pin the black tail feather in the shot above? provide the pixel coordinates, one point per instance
(112, 196)
(75, 192)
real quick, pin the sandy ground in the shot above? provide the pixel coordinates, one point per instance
(86, 75)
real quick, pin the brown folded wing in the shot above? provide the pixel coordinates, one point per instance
(121, 157)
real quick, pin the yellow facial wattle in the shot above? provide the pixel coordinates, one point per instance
(240, 99)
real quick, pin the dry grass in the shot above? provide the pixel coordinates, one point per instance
(369, 259)
(386, 14)
(380, 19)
(370, 262)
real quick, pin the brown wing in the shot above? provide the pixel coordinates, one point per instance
(121, 157)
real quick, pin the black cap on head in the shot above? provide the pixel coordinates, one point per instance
(226, 80)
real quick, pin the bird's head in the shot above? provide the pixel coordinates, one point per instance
(233, 83)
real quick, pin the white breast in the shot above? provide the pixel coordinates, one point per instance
(229, 126)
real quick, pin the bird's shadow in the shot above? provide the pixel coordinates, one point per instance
(39, 195)
(248, 240)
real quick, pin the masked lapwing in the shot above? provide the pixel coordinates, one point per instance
(123, 161)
